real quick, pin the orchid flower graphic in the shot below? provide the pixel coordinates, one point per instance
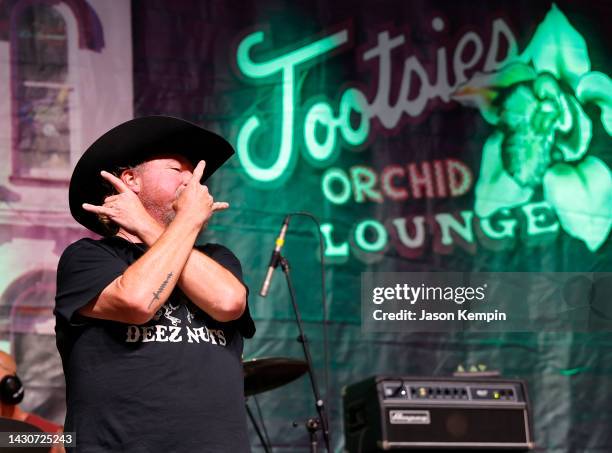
(543, 134)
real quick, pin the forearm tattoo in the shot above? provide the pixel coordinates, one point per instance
(157, 293)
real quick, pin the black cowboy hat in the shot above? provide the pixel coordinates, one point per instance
(134, 142)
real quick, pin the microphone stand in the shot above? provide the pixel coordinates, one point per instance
(312, 425)
(264, 444)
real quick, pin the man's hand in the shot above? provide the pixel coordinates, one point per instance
(136, 295)
(195, 203)
(125, 208)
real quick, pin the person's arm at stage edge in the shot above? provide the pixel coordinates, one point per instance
(146, 284)
(57, 448)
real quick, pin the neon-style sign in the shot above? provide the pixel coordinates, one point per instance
(438, 179)
(543, 134)
(533, 223)
(286, 66)
(321, 114)
(534, 101)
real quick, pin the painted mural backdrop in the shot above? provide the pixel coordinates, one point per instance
(425, 136)
(59, 61)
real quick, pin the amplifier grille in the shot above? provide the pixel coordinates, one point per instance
(408, 413)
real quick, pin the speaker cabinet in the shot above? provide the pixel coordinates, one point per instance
(384, 413)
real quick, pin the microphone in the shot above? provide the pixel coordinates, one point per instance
(280, 241)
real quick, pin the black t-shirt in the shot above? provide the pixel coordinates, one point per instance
(174, 384)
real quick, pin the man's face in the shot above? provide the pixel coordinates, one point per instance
(161, 181)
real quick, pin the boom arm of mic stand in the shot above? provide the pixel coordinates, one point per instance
(319, 404)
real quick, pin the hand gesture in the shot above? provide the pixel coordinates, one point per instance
(195, 203)
(125, 208)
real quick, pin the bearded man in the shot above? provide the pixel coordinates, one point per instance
(149, 325)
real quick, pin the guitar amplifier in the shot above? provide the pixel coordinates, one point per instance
(385, 413)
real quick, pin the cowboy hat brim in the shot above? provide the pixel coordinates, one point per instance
(134, 142)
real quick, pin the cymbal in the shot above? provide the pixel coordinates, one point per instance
(263, 374)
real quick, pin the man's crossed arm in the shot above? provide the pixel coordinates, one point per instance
(136, 295)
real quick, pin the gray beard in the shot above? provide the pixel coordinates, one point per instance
(165, 216)
(168, 217)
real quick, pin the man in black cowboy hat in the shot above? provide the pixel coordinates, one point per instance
(149, 326)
